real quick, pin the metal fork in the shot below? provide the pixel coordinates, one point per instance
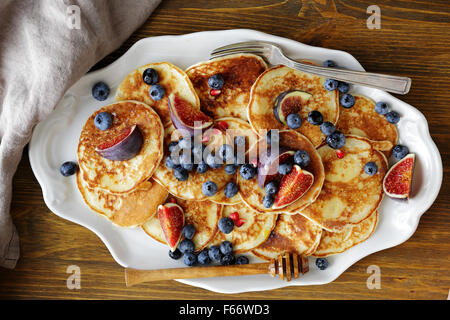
(275, 56)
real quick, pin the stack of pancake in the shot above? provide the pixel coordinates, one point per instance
(337, 212)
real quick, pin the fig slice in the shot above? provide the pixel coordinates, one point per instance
(397, 182)
(122, 147)
(269, 162)
(292, 187)
(171, 219)
(289, 102)
(185, 117)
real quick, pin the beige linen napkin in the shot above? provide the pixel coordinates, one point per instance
(46, 46)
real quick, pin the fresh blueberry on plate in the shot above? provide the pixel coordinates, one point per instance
(271, 187)
(381, 108)
(186, 245)
(231, 168)
(329, 64)
(294, 121)
(327, 128)
(370, 168)
(242, 260)
(213, 162)
(226, 225)
(227, 259)
(103, 121)
(231, 189)
(100, 91)
(322, 263)
(216, 82)
(214, 253)
(202, 167)
(268, 200)
(169, 163)
(180, 173)
(399, 151)
(203, 257)
(150, 76)
(347, 100)
(190, 259)
(188, 231)
(68, 168)
(173, 146)
(392, 117)
(186, 143)
(336, 140)
(156, 92)
(343, 87)
(175, 254)
(226, 247)
(302, 158)
(285, 168)
(209, 188)
(315, 118)
(330, 84)
(247, 171)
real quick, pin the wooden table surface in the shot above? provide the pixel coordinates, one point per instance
(414, 41)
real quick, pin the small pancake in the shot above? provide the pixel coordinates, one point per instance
(191, 189)
(204, 215)
(292, 234)
(251, 192)
(351, 235)
(255, 230)
(362, 120)
(124, 210)
(121, 176)
(279, 79)
(239, 72)
(349, 195)
(171, 78)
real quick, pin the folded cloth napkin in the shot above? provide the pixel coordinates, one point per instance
(45, 47)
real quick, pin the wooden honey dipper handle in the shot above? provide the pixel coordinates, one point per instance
(284, 266)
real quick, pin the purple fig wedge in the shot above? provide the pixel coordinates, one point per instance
(289, 102)
(124, 146)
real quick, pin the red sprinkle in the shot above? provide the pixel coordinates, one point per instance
(340, 154)
(240, 222)
(173, 200)
(222, 125)
(234, 216)
(215, 92)
(205, 138)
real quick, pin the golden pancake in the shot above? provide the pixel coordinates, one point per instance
(171, 78)
(251, 192)
(362, 120)
(121, 176)
(124, 210)
(279, 79)
(204, 215)
(239, 72)
(254, 231)
(348, 195)
(351, 235)
(292, 234)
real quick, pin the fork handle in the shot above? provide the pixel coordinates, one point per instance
(385, 82)
(133, 276)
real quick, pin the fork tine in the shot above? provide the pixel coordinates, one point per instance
(236, 51)
(247, 44)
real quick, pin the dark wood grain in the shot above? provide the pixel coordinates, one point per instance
(414, 41)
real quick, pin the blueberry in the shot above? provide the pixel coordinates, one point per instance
(226, 225)
(212, 161)
(197, 153)
(347, 100)
(392, 117)
(226, 247)
(68, 168)
(169, 163)
(203, 257)
(227, 260)
(273, 135)
(231, 189)
(381, 108)
(187, 166)
(186, 245)
(190, 259)
(242, 260)
(216, 81)
(103, 121)
(271, 187)
(302, 158)
(186, 161)
(315, 118)
(399, 151)
(209, 188)
(327, 128)
(343, 87)
(247, 171)
(202, 167)
(150, 76)
(294, 121)
(285, 168)
(329, 64)
(180, 173)
(214, 253)
(239, 141)
(322, 263)
(186, 143)
(188, 231)
(268, 200)
(173, 146)
(100, 91)
(226, 152)
(231, 168)
(175, 254)
(370, 168)
(336, 140)
(330, 84)
(156, 92)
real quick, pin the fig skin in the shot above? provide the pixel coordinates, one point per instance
(296, 189)
(125, 149)
(278, 110)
